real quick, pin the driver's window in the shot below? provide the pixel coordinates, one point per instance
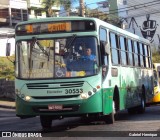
(103, 42)
(103, 35)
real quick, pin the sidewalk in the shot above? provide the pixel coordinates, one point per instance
(7, 104)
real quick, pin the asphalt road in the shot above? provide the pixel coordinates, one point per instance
(125, 125)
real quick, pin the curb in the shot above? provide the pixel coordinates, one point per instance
(8, 107)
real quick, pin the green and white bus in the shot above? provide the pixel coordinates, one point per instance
(55, 78)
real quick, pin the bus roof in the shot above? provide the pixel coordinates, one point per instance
(98, 22)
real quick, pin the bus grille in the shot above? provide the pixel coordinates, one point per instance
(55, 97)
(54, 85)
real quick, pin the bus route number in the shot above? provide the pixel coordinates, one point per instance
(70, 91)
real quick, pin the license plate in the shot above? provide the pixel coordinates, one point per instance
(55, 107)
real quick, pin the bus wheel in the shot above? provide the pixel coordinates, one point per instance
(132, 110)
(110, 119)
(85, 120)
(141, 108)
(46, 122)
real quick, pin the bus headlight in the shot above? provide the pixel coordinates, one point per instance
(17, 91)
(22, 95)
(84, 96)
(27, 98)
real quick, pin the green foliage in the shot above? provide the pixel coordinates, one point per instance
(103, 16)
(6, 68)
(48, 4)
(156, 57)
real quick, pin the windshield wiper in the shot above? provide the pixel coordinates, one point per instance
(41, 47)
(70, 41)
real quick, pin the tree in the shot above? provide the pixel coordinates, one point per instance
(155, 57)
(103, 16)
(48, 4)
(6, 68)
(67, 5)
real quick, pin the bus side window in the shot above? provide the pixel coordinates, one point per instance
(114, 49)
(144, 56)
(123, 50)
(104, 60)
(142, 63)
(130, 53)
(149, 56)
(136, 54)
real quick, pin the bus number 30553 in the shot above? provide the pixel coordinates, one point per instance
(70, 91)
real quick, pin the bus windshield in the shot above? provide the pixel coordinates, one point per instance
(57, 58)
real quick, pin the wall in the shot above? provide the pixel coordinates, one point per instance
(7, 89)
(146, 26)
(113, 5)
(144, 19)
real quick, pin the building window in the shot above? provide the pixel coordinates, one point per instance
(124, 2)
(38, 13)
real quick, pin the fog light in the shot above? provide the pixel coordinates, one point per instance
(27, 98)
(84, 96)
(89, 93)
(22, 95)
(94, 90)
(17, 91)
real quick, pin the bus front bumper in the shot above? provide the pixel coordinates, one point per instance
(69, 108)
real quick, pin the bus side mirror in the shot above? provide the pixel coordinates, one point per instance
(8, 49)
(57, 47)
(155, 83)
(107, 48)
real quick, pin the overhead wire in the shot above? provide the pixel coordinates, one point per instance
(137, 6)
(142, 5)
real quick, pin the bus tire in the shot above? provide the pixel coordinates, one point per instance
(85, 120)
(141, 108)
(132, 110)
(46, 122)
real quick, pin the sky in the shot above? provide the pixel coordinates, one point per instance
(90, 3)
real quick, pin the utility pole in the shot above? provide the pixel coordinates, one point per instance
(82, 9)
(10, 16)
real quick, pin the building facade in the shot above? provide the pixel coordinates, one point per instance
(37, 10)
(15, 11)
(116, 9)
(12, 12)
(103, 6)
(141, 17)
(144, 19)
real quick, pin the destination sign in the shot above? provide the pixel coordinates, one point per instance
(55, 27)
